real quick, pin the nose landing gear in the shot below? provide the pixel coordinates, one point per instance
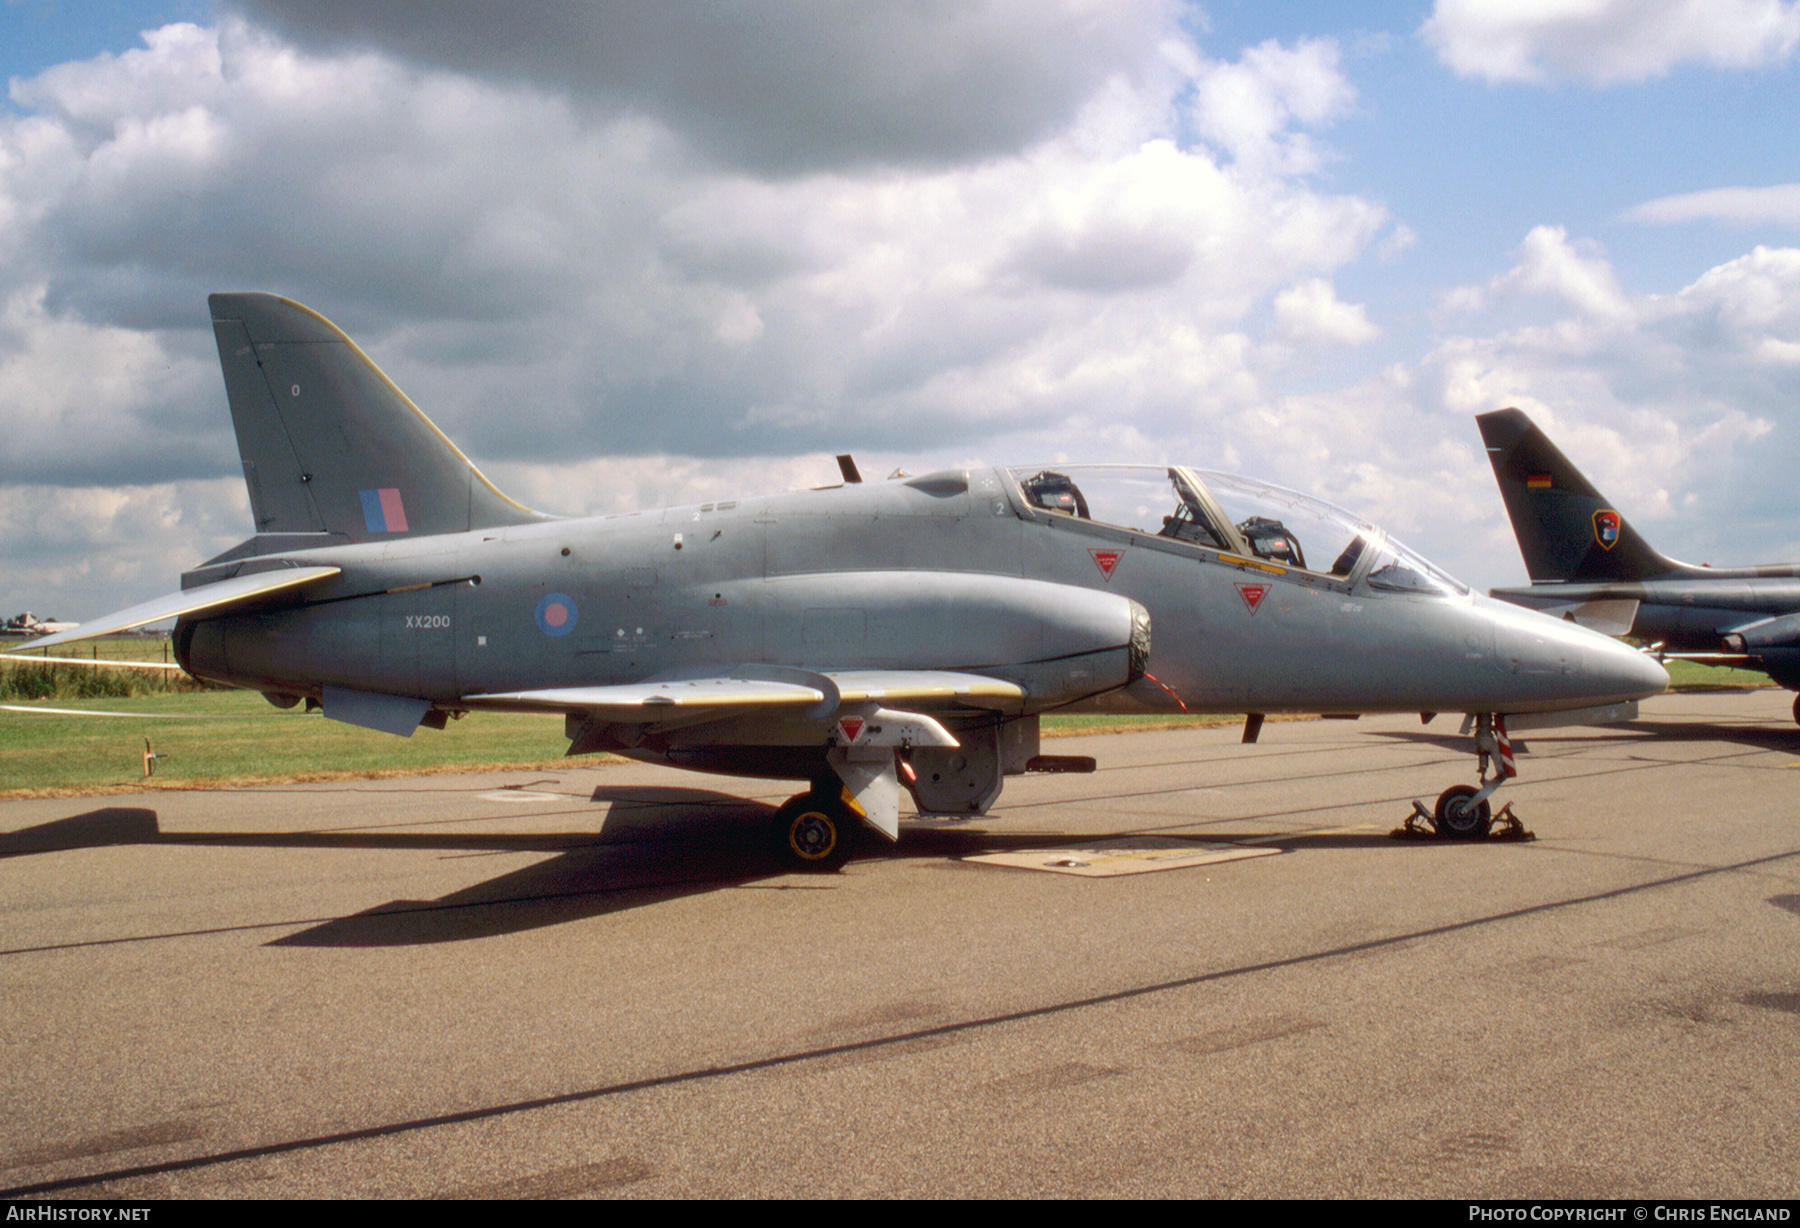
(1462, 811)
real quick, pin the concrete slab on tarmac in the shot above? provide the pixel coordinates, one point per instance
(595, 982)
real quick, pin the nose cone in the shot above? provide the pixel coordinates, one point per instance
(1549, 663)
(1636, 674)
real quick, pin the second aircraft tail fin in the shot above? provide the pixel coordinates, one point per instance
(1566, 529)
(329, 444)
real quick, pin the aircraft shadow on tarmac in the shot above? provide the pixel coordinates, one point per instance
(653, 844)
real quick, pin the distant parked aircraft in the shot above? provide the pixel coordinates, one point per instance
(1586, 562)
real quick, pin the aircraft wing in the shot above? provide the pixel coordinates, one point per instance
(238, 590)
(857, 699)
(927, 688)
(760, 689)
(642, 701)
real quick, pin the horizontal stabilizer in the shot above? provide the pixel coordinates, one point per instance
(213, 598)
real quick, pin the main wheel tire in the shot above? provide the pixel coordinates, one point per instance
(814, 833)
(1457, 819)
(1797, 709)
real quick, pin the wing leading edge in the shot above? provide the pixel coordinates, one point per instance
(758, 689)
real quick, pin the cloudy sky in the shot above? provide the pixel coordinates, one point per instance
(629, 255)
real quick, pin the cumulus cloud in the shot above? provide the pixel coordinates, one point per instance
(1777, 205)
(1311, 311)
(609, 304)
(1576, 273)
(495, 246)
(1681, 407)
(73, 552)
(1604, 42)
(783, 85)
(1257, 107)
(101, 405)
(1549, 265)
(575, 283)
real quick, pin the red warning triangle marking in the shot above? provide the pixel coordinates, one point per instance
(1106, 561)
(850, 727)
(1253, 595)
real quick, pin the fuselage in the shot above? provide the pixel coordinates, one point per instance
(955, 571)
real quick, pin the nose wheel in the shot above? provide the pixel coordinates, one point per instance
(1463, 812)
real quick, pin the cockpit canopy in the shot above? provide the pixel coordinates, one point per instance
(1235, 516)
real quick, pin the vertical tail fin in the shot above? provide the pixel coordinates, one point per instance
(329, 444)
(1567, 530)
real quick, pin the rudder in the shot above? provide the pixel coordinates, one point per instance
(329, 443)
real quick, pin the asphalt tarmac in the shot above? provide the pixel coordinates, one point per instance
(596, 982)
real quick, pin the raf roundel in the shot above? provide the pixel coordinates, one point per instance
(556, 614)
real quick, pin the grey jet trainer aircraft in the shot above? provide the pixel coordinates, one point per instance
(1587, 564)
(865, 638)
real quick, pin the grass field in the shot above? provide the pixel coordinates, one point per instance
(28, 676)
(1687, 676)
(218, 736)
(213, 736)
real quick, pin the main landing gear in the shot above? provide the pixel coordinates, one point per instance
(816, 831)
(1462, 811)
